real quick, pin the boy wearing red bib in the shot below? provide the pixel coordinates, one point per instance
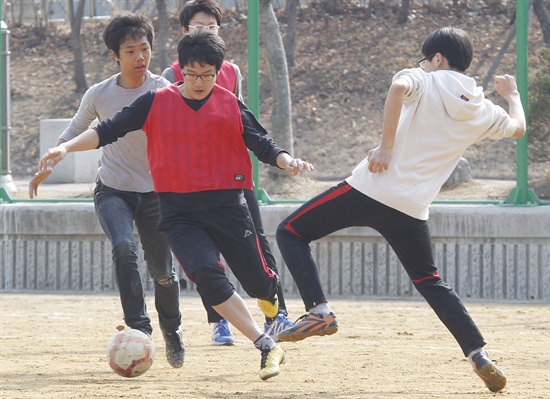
(198, 137)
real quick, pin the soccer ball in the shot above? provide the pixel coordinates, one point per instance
(130, 353)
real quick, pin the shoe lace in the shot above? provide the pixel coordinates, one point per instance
(302, 317)
(265, 353)
(225, 328)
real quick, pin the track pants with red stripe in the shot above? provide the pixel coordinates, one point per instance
(342, 206)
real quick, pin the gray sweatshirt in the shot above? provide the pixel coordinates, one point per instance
(124, 165)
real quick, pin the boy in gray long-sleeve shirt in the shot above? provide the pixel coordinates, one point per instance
(124, 193)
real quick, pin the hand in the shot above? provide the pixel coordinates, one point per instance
(505, 85)
(45, 168)
(52, 158)
(379, 159)
(297, 166)
(38, 178)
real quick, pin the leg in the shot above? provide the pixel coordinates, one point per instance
(410, 238)
(159, 262)
(221, 331)
(196, 250)
(235, 310)
(254, 208)
(335, 209)
(115, 211)
(235, 236)
(160, 266)
(328, 212)
(272, 326)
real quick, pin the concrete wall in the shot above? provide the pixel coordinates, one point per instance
(77, 167)
(493, 252)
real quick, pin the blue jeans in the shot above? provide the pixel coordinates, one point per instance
(117, 211)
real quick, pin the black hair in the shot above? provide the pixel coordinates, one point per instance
(209, 7)
(202, 48)
(126, 26)
(453, 43)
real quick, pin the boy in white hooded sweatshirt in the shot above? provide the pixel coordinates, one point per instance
(432, 115)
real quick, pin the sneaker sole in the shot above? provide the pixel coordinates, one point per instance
(268, 308)
(228, 343)
(493, 378)
(176, 364)
(298, 336)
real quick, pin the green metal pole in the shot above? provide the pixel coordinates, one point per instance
(3, 193)
(1, 101)
(522, 195)
(254, 76)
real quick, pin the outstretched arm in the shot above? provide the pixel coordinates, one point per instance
(40, 176)
(506, 86)
(380, 157)
(89, 140)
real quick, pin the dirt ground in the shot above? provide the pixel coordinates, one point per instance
(53, 347)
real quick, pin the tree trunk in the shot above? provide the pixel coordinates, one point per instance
(76, 24)
(403, 12)
(138, 5)
(544, 18)
(162, 35)
(290, 38)
(281, 116)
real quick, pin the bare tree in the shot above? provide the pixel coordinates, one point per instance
(162, 34)
(281, 116)
(403, 12)
(75, 19)
(544, 18)
(138, 5)
(292, 7)
(40, 13)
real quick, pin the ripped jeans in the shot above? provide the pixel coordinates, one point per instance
(117, 211)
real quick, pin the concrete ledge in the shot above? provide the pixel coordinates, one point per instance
(493, 252)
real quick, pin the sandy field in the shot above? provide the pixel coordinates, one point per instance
(52, 346)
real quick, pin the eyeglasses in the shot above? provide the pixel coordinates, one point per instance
(204, 28)
(423, 60)
(191, 77)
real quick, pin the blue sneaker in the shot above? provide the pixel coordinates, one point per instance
(221, 334)
(280, 323)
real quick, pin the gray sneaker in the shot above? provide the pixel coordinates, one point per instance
(491, 375)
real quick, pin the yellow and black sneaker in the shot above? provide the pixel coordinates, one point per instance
(271, 359)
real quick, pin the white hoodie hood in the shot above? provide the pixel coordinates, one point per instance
(462, 99)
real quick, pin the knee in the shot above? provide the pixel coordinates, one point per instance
(213, 286)
(124, 252)
(168, 282)
(283, 233)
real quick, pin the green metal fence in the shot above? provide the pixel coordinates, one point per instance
(521, 195)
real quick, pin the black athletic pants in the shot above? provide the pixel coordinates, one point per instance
(342, 206)
(197, 238)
